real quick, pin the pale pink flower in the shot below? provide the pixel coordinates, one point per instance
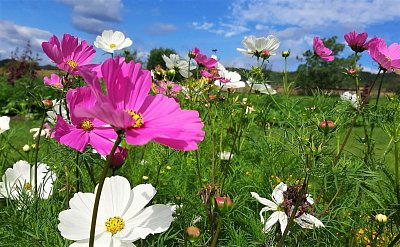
(70, 55)
(321, 51)
(128, 107)
(53, 81)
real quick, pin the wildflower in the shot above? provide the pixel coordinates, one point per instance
(388, 58)
(225, 155)
(111, 41)
(259, 46)
(58, 109)
(283, 201)
(177, 64)
(122, 217)
(224, 203)
(20, 180)
(69, 55)
(350, 97)
(119, 157)
(83, 130)
(26, 148)
(206, 62)
(261, 88)
(4, 124)
(128, 107)
(53, 81)
(33, 146)
(321, 51)
(168, 88)
(381, 218)
(46, 131)
(229, 79)
(356, 41)
(193, 53)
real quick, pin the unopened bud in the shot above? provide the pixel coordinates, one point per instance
(265, 54)
(327, 126)
(26, 148)
(381, 218)
(224, 203)
(285, 54)
(47, 102)
(193, 233)
(119, 157)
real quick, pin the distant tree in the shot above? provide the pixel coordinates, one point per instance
(155, 57)
(317, 73)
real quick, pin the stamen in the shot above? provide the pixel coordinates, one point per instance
(112, 46)
(86, 125)
(27, 186)
(72, 63)
(137, 117)
(114, 224)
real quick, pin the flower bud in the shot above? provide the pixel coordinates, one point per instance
(193, 233)
(145, 178)
(47, 102)
(119, 157)
(285, 54)
(327, 126)
(26, 148)
(381, 218)
(265, 54)
(224, 203)
(171, 73)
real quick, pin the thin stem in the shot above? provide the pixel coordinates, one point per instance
(217, 231)
(77, 171)
(100, 188)
(198, 167)
(396, 169)
(337, 157)
(37, 149)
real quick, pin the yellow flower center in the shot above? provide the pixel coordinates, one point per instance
(86, 125)
(137, 117)
(114, 224)
(27, 186)
(388, 58)
(57, 84)
(112, 46)
(72, 63)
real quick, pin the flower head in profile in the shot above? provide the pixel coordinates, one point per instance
(4, 124)
(57, 109)
(128, 107)
(46, 131)
(356, 41)
(350, 97)
(69, 55)
(321, 51)
(179, 65)
(53, 81)
(83, 130)
(261, 88)
(122, 217)
(261, 46)
(388, 58)
(229, 79)
(283, 200)
(111, 41)
(20, 180)
(204, 61)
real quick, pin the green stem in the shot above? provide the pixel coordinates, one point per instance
(337, 157)
(37, 149)
(217, 231)
(198, 167)
(77, 170)
(396, 169)
(100, 188)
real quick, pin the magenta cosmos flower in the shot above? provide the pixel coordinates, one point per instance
(69, 56)
(84, 130)
(128, 106)
(388, 58)
(53, 81)
(356, 41)
(321, 51)
(203, 60)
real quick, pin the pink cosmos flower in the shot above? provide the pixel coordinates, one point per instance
(69, 56)
(53, 81)
(168, 88)
(388, 58)
(83, 130)
(194, 52)
(356, 41)
(321, 51)
(128, 106)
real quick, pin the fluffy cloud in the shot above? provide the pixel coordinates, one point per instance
(224, 29)
(13, 35)
(93, 16)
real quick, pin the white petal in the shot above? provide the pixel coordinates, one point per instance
(103, 240)
(74, 224)
(107, 36)
(271, 221)
(277, 193)
(126, 43)
(309, 221)
(118, 37)
(114, 196)
(140, 196)
(270, 204)
(283, 219)
(168, 62)
(151, 220)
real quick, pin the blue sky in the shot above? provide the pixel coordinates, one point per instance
(206, 24)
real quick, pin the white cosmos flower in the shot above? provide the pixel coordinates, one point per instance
(254, 46)
(20, 179)
(224, 155)
(122, 217)
(234, 78)
(46, 131)
(4, 124)
(261, 88)
(350, 97)
(277, 205)
(110, 41)
(57, 109)
(176, 63)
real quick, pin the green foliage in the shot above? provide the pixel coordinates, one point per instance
(155, 57)
(317, 73)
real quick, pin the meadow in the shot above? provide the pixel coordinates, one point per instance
(323, 169)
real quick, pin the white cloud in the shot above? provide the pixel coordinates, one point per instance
(224, 29)
(204, 26)
(13, 35)
(161, 28)
(97, 12)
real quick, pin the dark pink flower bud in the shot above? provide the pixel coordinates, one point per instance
(119, 157)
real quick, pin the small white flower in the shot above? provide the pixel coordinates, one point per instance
(122, 217)
(57, 109)
(21, 179)
(111, 41)
(4, 124)
(262, 88)
(350, 97)
(277, 205)
(26, 148)
(224, 155)
(233, 78)
(46, 132)
(176, 63)
(254, 46)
